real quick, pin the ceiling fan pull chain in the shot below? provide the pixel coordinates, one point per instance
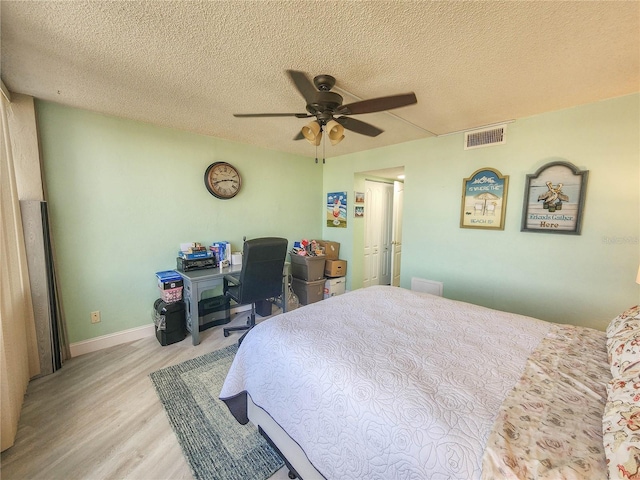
(324, 142)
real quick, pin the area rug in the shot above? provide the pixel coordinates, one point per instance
(215, 445)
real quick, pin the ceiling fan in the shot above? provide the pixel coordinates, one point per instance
(331, 115)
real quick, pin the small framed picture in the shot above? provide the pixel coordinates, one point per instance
(359, 196)
(484, 199)
(554, 199)
(337, 209)
(359, 211)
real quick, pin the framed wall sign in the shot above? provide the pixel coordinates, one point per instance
(484, 199)
(554, 199)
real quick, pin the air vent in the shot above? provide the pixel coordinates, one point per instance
(426, 286)
(485, 137)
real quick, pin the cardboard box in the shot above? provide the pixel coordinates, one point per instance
(334, 286)
(335, 268)
(307, 268)
(331, 249)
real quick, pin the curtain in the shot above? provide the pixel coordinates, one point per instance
(18, 346)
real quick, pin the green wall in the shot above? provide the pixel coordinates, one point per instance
(123, 195)
(580, 279)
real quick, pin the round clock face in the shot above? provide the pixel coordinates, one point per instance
(222, 180)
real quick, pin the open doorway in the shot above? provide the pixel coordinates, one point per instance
(382, 242)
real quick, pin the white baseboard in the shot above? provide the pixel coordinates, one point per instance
(111, 340)
(125, 336)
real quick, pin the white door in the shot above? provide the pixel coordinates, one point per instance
(371, 239)
(386, 231)
(396, 243)
(377, 233)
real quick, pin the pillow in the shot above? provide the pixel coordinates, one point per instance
(623, 323)
(624, 354)
(623, 343)
(621, 427)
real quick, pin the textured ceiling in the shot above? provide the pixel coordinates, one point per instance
(191, 65)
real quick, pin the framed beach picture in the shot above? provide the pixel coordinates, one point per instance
(484, 199)
(554, 199)
(337, 209)
(359, 197)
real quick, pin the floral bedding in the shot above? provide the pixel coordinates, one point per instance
(621, 421)
(550, 426)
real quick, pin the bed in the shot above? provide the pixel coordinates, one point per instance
(387, 383)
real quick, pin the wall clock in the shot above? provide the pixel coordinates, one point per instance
(222, 180)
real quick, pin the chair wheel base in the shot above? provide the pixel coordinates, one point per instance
(292, 475)
(225, 333)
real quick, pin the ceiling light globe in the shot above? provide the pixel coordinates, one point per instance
(335, 132)
(312, 132)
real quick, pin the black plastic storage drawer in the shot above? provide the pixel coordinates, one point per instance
(213, 311)
(169, 320)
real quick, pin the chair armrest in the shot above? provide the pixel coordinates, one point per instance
(231, 287)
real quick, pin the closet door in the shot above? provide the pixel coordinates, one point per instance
(396, 242)
(378, 233)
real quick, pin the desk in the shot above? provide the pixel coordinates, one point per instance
(198, 281)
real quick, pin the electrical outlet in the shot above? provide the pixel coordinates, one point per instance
(95, 317)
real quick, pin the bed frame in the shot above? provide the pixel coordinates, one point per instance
(293, 456)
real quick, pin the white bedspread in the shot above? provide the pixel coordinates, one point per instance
(386, 383)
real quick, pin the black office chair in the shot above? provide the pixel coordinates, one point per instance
(260, 277)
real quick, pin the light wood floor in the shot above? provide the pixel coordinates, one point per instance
(99, 417)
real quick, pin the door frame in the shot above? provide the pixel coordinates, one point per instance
(388, 175)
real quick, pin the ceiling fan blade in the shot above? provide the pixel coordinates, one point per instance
(359, 126)
(378, 104)
(248, 115)
(303, 84)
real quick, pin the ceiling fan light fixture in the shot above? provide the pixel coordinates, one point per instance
(335, 132)
(335, 141)
(323, 104)
(312, 132)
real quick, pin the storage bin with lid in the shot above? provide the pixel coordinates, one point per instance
(308, 292)
(307, 268)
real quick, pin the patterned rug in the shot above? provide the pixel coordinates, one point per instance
(215, 445)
